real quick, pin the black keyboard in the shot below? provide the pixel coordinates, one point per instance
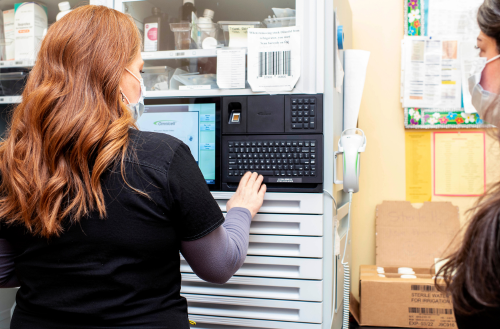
(280, 159)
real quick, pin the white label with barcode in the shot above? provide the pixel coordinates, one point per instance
(273, 58)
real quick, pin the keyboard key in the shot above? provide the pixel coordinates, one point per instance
(301, 143)
(300, 113)
(283, 144)
(306, 167)
(306, 100)
(230, 173)
(240, 161)
(259, 144)
(312, 110)
(294, 107)
(311, 125)
(233, 167)
(306, 113)
(294, 114)
(295, 173)
(289, 173)
(294, 101)
(277, 173)
(288, 144)
(231, 144)
(294, 144)
(306, 173)
(312, 100)
(265, 144)
(232, 156)
(301, 173)
(300, 119)
(283, 173)
(254, 144)
(296, 125)
(313, 173)
(306, 107)
(306, 125)
(306, 119)
(313, 143)
(305, 150)
(305, 161)
(237, 144)
(248, 143)
(301, 101)
(300, 108)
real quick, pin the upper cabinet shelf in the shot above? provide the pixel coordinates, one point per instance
(22, 63)
(178, 54)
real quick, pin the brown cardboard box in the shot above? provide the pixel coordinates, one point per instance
(407, 237)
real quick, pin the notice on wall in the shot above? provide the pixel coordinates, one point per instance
(432, 75)
(231, 68)
(459, 163)
(418, 166)
(274, 58)
(451, 17)
(238, 35)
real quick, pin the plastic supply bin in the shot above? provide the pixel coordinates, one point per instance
(224, 25)
(182, 35)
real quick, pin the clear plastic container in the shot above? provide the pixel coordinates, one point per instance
(198, 80)
(272, 22)
(12, 81)
(157, 77)
(206, 30)
(224, 25)
(182, 35)
(284, 12)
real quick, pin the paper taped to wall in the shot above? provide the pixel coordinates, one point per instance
(451, 17)
(432, 75)
(468, 61)
(355, 64)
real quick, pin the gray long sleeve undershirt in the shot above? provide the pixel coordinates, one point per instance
(214, 258)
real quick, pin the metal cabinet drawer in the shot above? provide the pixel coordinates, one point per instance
(281, 224)
(213, 322)
(254, 308)
(275, 267)
(282, 203)
(288, 289)
(285, 246)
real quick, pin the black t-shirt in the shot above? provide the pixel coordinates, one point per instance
(121, 271)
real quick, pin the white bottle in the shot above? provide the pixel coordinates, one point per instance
(206, 18)
(206, 30)
(65, 8)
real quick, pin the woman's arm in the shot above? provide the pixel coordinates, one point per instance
(8, 277)
(217, 256)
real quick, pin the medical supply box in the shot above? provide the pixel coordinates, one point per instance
(30, 21)
(399, 291)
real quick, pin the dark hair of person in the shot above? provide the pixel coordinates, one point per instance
(472, 273)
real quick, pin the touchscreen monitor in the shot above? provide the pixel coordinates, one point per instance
(191, 121)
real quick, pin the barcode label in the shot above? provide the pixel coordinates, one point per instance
(430, 311)
(180, 54)
(275, 63)
(417, 287)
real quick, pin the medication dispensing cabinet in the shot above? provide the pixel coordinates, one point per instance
(291, 278)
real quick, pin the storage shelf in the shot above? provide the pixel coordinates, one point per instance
(175, 54)
(22, 63)
(10, 99)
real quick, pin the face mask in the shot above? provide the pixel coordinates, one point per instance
(137, 108)
(481, 99)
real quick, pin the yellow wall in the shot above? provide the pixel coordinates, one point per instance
(378, 27)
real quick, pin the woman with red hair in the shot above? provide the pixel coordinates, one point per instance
(94, 212)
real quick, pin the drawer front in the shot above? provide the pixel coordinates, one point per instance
(307, 290)
(285, 246)
(282, 203)
(211, 322)
(275, 267)
(278, 224)
(254, 308)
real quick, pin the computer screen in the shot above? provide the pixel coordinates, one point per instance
(194, 124)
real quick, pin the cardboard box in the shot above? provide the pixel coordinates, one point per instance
(411, 238)
(30, 22)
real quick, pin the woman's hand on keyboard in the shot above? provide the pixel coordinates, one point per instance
(250, 193)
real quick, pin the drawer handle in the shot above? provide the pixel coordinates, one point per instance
(274, 227)
(264, 270)
(252, 312)
(242, 290)
(289, 249)
(270, 205)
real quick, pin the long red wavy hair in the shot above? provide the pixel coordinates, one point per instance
(71, 125)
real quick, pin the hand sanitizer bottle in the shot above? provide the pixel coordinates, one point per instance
(65, 8)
